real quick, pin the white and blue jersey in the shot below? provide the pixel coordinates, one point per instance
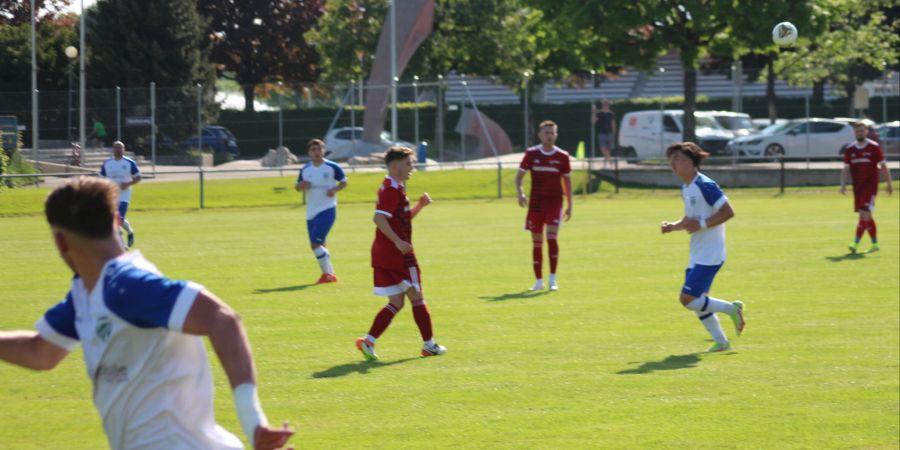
(322, 178)
(152, 383)
(702, 198)
(121, 171)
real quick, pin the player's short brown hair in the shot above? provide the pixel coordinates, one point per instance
(84, 205)
(547, 123)
(312, 142)
(689, 149)
(395, 153)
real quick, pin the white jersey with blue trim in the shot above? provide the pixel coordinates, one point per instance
(152, 383)
(702, 198)
(322, 178)
(121, 171)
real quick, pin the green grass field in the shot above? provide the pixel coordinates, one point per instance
(610, 361)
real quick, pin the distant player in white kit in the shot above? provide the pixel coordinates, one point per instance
(125, 173)
(706, 209)
(321, 179)
(140, 333)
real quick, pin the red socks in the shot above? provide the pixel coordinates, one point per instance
(537, 257)
(864, 225)
(423, 318)
(873, 230)
(553, 247)
(382, 320)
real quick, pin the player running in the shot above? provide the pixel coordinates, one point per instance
(862, 161)
(140, 336)
(321, 179)
(550, 170)
(124, 172)
(706, 209)
(394, 264)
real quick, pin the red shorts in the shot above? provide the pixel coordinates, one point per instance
(393, 282)
(536, 220)
(864, 201)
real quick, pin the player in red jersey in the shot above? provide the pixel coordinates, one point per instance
(550, 169)
(394, 264)
(863, 160)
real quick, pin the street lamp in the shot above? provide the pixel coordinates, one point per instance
(71, 53)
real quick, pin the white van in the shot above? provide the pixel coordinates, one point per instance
(647, 134)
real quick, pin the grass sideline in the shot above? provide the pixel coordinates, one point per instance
(609, 361)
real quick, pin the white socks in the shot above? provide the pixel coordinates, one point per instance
(712, 325)
(552, 279)
(706, 304)
(324, 259)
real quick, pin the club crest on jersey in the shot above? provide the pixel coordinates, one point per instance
(103, 329)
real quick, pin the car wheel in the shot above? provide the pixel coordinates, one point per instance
(774, 151)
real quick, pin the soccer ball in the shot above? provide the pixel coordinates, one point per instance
(784, 34)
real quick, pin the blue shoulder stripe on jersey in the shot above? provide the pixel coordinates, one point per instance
(103, 169)
(142, 298)
(300, 175)
(338, 172)
(62, 317)
(710, 190)
(134, 167)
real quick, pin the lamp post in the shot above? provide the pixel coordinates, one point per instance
(71, 53)
(662, 118)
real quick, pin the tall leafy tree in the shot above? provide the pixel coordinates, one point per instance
(258, 41)
(860, 43)
(15, 52)
(15, 12)
(134, 42)
(482, 37)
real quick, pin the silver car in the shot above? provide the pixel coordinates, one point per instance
(797, 138)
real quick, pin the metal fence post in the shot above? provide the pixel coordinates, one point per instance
(616, 172)
(280, 116)
(153, 125)
(199, 124)
(118, 113)
(781, 173)
(201, 187)
(416, 107)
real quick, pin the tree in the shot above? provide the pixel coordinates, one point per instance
(135, 42)
(260, 41)
(15, 52)
(483, 37)
(859, 45)
(17, 12)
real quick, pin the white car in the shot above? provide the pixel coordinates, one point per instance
(647, 134)
(738, 123)
(797, 138)
(346, 142)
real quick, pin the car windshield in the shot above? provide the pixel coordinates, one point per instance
(701, 121)
(778, 127)
(742, 123)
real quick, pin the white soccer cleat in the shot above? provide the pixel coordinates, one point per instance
(433, 350)
(553, 286)
(538, 286)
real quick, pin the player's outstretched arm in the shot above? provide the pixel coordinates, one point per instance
(523, 201)
(211, 317)
(844, 171)
(28, 349)
(424, 201)
(567, 186)
(886, 173)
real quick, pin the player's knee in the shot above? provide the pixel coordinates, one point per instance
(686, 298)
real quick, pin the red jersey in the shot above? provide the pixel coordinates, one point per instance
(864, 161)
(393, 204)
(547, 170)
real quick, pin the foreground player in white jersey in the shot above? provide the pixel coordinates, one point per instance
(706, 209)
(321, 179)
(140, 333)
(125, 173)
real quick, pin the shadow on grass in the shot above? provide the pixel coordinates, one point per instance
(671, 362)
(298, 287)
(848, 256)
(515, 296)
(360, 367)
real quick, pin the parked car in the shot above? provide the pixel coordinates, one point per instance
(890, 137)
(216, 138)
(826, 137)
(760, 124)
(738, 123)
(647, 134)
(342, 143)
